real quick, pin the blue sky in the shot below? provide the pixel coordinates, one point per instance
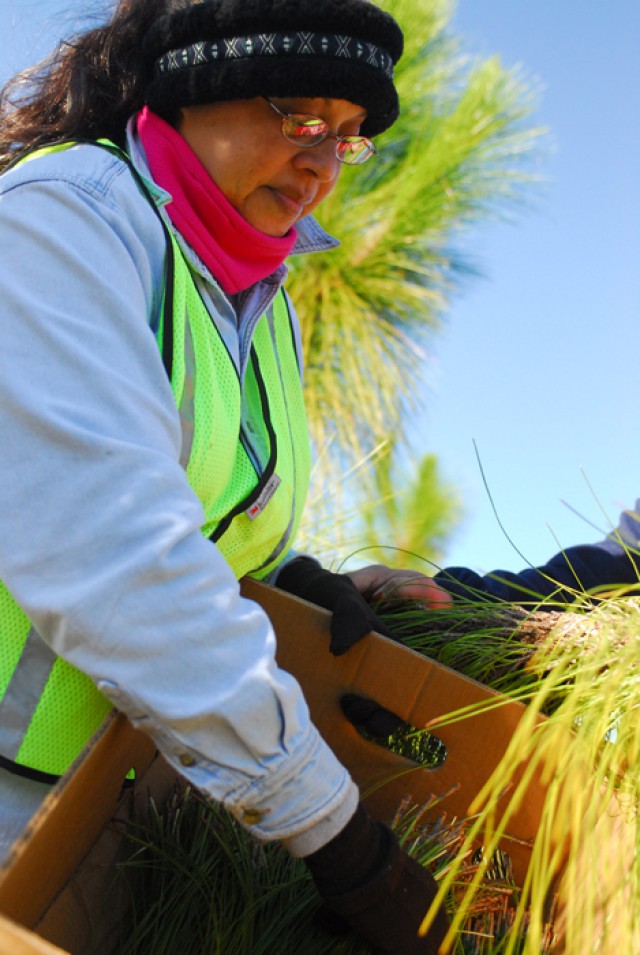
(537, 360)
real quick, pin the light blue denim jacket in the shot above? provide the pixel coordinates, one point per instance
(100, 537)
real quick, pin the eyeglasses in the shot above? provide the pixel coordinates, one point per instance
(307, 131)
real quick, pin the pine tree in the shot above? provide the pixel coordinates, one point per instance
(370, 309)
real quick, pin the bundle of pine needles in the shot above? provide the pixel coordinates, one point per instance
(199, 885)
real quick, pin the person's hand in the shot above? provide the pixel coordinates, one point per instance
(369, 717)
(368, 881)
(348, 596)
(352, 619)
(378, 583)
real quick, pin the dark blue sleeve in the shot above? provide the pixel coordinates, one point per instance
(576, 570)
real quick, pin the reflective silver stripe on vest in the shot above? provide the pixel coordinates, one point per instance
(187, 410)
(23, 694)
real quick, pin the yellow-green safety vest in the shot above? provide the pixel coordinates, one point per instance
(48, 708)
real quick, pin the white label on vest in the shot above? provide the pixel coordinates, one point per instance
(268, 491)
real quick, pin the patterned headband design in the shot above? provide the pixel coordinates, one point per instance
(226, 50)
(295, 43)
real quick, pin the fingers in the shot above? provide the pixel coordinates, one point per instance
(421, 589)
(378, 583)
(370, 579)
(369, 716)
(353, 619)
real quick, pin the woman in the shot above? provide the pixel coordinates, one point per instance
(153, 434)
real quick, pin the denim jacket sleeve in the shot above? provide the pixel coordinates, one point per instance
(100, 537)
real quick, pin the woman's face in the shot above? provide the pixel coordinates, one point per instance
(269, 181)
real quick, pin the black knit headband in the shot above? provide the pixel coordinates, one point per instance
(294, 43)
(239, 49)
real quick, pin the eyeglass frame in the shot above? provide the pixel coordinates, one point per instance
(284, 116)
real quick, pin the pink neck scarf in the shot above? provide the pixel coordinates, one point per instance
(236, 253)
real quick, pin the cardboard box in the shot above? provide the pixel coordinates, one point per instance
(51, 883)
(420, 692)
(15, 940)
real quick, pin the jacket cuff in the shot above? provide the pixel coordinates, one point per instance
(322, 832)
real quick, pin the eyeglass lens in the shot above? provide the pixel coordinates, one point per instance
(307, 131)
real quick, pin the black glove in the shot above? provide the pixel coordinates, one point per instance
(352, 618)
(369, 881)
(381, 726)
(575, 570)
(368, 716)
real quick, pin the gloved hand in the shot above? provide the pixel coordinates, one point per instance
(369, 881)
(367, 715)
(381, 726)
(352, 618)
